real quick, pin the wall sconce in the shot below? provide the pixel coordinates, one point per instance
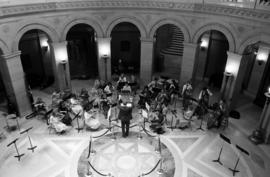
(262, 55)
(204, 42)
(44, 44)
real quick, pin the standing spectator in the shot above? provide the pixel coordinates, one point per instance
(187, 94)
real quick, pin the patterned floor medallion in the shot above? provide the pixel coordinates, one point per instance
(126, 157)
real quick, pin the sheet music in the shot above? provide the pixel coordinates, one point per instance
(147, 106)
(109, 113)
(144, 114)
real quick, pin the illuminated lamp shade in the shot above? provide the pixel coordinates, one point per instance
(230, 68)
(44, 44)
(61, 53)
(269, 90)
(262, 55)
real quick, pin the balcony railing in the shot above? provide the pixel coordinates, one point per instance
(250, 4)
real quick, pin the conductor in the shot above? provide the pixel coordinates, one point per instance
(125, 115)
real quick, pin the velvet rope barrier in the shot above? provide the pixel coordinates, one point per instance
(144, 174)
(102, 134)
(96, 170)
(146, 131)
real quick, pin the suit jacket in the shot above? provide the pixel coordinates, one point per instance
(125, 113)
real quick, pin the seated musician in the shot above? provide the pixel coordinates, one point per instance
(55, 121)
(40, 105)
(126, 87)
(121, 81)
(84, 94)
(157, 122)
(144, 97)
(162, 97)
(108, 90)
(187, 94)
(222, 108)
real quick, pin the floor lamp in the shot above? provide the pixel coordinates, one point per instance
(227, 85)
(105, 58)
(257, 136)
(64, 64)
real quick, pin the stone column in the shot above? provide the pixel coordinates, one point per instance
(104, 58)
(61, 65)
(188, 62)
(258, 70)
(14, 80)
(232, 79)
(262, 133)
(146, 61)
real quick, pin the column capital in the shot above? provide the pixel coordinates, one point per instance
(229, 53)
(189, 44)
(103, 38)
(150, 40)
(59, 42)
(12, 55)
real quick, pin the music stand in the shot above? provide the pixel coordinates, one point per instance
(145, 116)
(225, 139)
(32, 148)
(234, 170)
(15, 145)
(77, 120)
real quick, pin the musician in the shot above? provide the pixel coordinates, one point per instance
(126, 87)
(125, 115)
(162, 97)
(222, 108)
(55, 121)
(204, 97)
(187, 94)
(109, 89)
(40, 105)
(121, 81)
(144, 97)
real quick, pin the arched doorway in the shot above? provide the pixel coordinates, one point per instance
(125, 49)
(82, 52)
(257, 74)
(211, 58)
(36, 59)
(168, 51)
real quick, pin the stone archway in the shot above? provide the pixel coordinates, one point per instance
(81, 20)
(132, 20)
(218, 27)
(177, 23)
(52, 34)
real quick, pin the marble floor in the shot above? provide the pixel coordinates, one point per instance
(193, 150)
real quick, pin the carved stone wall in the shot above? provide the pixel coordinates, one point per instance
(237, 24)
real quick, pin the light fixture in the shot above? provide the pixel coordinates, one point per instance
(262, 55)
(44, 44)
(204, 42)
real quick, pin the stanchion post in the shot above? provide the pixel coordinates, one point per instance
(139, 133)
(160, 171)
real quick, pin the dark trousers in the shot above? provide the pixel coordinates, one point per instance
(125, 128)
